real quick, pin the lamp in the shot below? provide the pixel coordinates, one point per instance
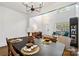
(33, 6)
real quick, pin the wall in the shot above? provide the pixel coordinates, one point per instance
(12, 24)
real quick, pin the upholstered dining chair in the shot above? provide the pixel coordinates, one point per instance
(67, 40)
(37, 34)
(11, 51)
(30, 39)
(64, 40)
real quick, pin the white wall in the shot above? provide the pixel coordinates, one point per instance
(35, 24)
(12, 24)
(49, 20)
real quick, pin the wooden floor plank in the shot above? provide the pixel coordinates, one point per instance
(4, 51)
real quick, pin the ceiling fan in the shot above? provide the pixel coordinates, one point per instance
(32, 7)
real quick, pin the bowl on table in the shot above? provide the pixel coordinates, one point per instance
(46, 40)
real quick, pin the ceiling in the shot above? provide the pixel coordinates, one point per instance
(47, 6)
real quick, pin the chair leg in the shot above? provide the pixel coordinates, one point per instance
(9, 52)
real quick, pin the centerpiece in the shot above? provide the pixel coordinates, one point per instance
(46, 40)
(30, 49)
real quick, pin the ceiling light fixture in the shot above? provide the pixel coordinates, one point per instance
(33, 6)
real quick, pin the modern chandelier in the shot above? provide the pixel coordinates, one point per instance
(33, 6)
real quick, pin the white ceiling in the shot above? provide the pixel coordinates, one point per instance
(48, 6)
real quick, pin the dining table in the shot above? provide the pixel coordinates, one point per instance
(52, 49)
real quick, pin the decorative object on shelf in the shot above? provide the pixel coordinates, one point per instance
(33, 6)
(74, 31)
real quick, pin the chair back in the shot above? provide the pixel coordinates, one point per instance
(65, 40)
(8, 45)
(11, 50)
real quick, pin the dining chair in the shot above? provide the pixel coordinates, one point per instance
(37, 35)
(30, 39)
(8, 45)
(66, 41)
(11, 51)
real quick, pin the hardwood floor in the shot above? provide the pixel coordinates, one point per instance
(67, 53)
(4, 52)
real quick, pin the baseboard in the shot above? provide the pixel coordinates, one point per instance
(3, 46)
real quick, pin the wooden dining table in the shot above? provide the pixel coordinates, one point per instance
(53, 49)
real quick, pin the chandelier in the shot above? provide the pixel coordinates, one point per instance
(33, 6)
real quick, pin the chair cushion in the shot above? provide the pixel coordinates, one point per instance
(65, 40)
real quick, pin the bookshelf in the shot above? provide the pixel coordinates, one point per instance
(74, 31)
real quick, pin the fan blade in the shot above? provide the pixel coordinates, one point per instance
(37, 10)
(26, 5)
(37, 7)
(28, 10)
(40, 6)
